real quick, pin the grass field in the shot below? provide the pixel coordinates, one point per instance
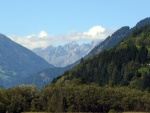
(136, 112)
(79, 112)
(58, 112)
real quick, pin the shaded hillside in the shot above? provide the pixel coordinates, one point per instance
(127, 64)
(45, 76)
(17, 62)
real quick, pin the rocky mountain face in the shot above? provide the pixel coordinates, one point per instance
(17, 62)
(62, 56)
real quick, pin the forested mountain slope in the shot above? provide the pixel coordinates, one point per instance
(127, 64)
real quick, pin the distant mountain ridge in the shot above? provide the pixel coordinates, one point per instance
(142, 22)
(17, 62)
(116, 37)
(67, 54)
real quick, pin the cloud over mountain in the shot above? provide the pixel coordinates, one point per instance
(43, 39)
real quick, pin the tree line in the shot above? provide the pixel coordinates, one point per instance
(73, 96)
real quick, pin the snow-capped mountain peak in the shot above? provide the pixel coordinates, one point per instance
(70, 46)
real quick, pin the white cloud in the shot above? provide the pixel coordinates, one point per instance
(94, 31)
(43, 34)
(43, 39)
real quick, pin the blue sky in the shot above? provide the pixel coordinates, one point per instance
(56, 18)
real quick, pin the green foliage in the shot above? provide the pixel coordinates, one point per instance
(74, 96)
(19, 98)
(112, 111)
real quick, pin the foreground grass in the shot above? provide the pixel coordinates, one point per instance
(58, 112)
(79, 112)
(136, 112)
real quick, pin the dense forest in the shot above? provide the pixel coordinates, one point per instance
(115, 80)
(73, 96)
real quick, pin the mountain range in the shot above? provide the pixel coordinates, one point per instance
(108, 43)
(65, 55)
